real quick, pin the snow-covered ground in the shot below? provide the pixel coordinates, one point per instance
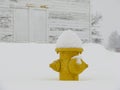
(26, 67)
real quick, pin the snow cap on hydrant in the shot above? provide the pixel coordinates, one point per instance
(69, 65)
(68, 39)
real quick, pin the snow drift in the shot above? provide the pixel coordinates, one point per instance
(22, 64)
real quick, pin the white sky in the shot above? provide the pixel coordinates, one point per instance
(110, 10)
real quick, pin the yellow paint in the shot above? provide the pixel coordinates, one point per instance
(67, 67)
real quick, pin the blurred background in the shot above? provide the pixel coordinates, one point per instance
(42, 21)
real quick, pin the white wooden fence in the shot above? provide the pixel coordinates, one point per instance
(43, 22)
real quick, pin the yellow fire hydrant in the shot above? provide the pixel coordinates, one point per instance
(67, 66)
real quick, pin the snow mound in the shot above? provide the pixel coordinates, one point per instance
(78, 58)
(94, 48)
(22, 64)
(68, 39)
